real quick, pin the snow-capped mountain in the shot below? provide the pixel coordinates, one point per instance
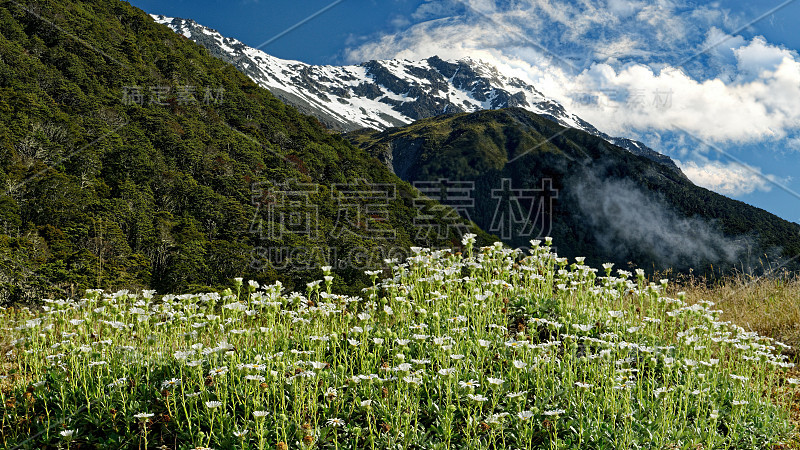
(384, 94)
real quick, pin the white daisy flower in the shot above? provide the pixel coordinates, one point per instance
(258, 378)
(525, 415)
(513, 395)
(335, 422)
(331, 393)
(471, 384)
(477, 398)
(217, 371)
(171, 383)
(412, 380)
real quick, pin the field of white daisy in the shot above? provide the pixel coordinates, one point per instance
(489, 349)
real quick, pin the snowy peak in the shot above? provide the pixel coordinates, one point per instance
(377, 94)
(391, 93)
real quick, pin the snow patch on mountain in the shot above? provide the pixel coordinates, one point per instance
(384, 94)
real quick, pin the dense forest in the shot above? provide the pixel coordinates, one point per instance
(131, 158)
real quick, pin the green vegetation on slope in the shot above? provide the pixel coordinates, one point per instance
(607, 203)
(129, 157)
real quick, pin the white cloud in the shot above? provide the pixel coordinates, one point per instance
(624, 8)
(764, 108)
(745, 91)
(793, 143)
(759, 58)
(400, 21)
(727, 178)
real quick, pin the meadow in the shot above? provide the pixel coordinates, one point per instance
(485, 349)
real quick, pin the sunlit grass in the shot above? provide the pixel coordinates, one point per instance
(489, 349)
(769, 305)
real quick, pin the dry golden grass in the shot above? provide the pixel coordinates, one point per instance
(767, 305)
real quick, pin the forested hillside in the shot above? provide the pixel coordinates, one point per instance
(131, 158)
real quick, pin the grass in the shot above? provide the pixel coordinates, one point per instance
(488, 349)
(768, 305)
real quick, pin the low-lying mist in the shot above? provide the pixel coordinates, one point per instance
(628, 222)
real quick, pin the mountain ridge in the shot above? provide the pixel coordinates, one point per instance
(390, 93)
(594, 198)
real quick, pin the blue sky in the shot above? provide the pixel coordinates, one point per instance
(732, 120)
(322, 40)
